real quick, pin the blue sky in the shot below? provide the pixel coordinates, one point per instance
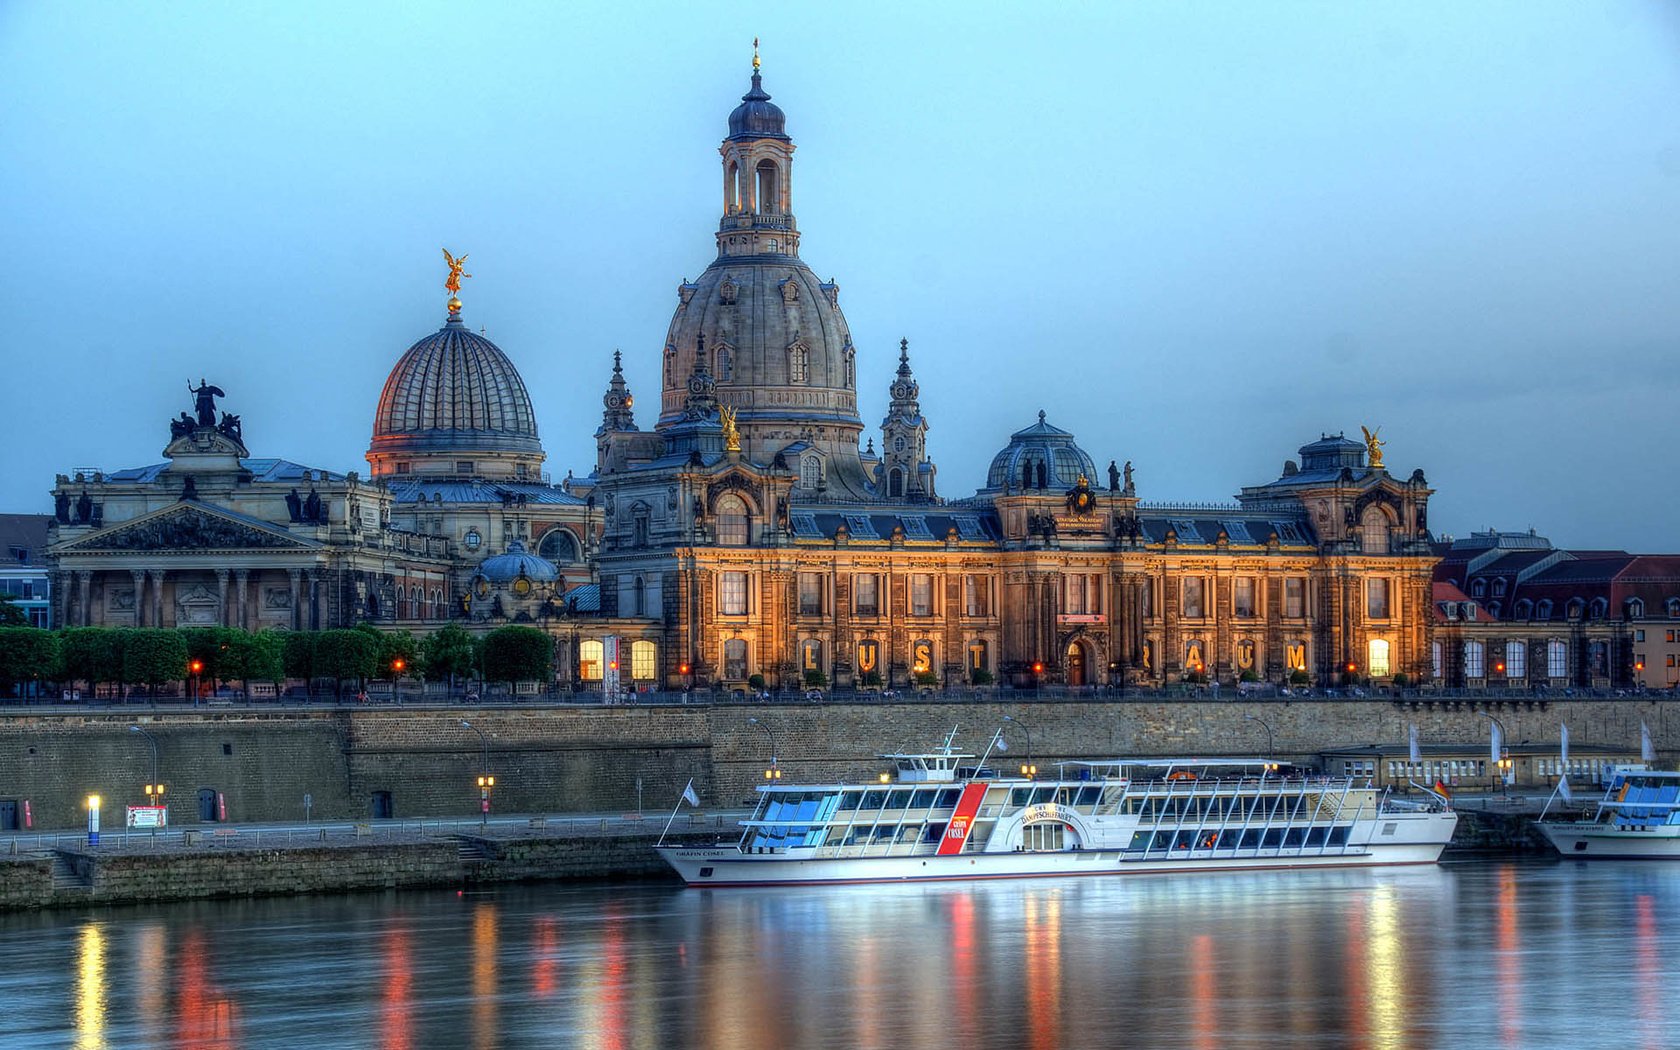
(1198, 235)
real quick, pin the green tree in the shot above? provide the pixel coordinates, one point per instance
(252, 657)
(27, 654)
(10, 614)
(299, 654)
(448, 653)
(153, 656)
(216, 649)
(92, 655)
(517, 654)
(398, 654)
(346, 655)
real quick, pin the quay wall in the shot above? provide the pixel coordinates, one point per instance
(262, 762)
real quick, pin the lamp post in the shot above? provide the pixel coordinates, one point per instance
(93, 820)
(485, 780)
(775, 771)
(154, 787)
(196, 666)
(1271, 750)
(1029, 769)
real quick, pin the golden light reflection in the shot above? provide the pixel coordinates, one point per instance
(1509, 977)
(964, 971)
(602, 1020)
(396, 1007)
(544, 970)
(1650, 979)
(1044, 970)
(1385, 973)
(1204, 993)
(484, 1019)
(90, 988)
(150, 969)
(208, 1019)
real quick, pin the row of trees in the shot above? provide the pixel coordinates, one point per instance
(154, 657)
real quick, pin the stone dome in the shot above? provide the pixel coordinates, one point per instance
(455, 396)
(517, 562)
(757, 117)
(1040, 457)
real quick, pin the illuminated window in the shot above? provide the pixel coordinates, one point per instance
(1435, 659)
(1242, 596)
(735, 659)
(591, 655)
(1516, 660)
(810, 594)
(732, 521)
(1377, 657)
(732, 594)
(642, 661)
(975, 592)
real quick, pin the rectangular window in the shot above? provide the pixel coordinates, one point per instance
(921, 594)
(591, 654)
(1242, 597)
(1639, 635)
(868, 594)
(1294, 597)
(732, 595)
(463, 466)
(1147, 599)
(1516, 660)
(1475, 660)
(1376, 598)
(976, 591)
(641, 661)
(1074, 586)
(1193, 598)
(810, 594)
(1557, 658)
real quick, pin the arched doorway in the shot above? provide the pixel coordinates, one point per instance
(207, 805)
(1076, 665)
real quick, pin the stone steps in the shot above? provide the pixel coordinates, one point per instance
(66, 879)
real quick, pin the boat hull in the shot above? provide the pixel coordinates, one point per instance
(1595, 841)
(1421, 842)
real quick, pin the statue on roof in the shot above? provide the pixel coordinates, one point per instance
(1373, 448)
(205, 402)
(731, 436)
(456, 265)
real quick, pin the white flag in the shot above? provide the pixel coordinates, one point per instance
(689, 796)
(1563, 790)
(1647, 752)
(1563, 742)
(1002, 744)
(1416, 755)
(1495, 740)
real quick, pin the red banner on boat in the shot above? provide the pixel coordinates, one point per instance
(956, 832)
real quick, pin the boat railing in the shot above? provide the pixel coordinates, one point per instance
(1299, 804)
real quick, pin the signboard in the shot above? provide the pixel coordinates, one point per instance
(962, 820)
(1082, 618)
(610, 674)
(148, 816)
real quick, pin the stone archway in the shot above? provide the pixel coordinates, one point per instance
(1078, 663)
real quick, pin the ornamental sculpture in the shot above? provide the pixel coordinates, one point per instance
(1373, 448)
(731, 436)
(453, 284)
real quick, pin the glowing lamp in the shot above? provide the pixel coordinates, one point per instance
(196, 666)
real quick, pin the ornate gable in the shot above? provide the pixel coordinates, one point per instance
(186, 527)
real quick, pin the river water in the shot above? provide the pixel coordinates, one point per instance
(1485, 954)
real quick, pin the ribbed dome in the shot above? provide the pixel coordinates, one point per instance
(1040, 457)
(757, 117)
(454, 391)
(517, 562)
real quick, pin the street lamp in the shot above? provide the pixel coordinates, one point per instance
(775, 771)
(1030, 768)
(1271, 751)
(197, 668)
(154, 788)
(93, 820)
(485, 780)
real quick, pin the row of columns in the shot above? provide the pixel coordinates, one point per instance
(233, 591)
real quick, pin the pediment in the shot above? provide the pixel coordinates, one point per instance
(188, 527)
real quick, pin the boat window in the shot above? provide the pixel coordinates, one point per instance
(898, 800)
(1315, 836)
(1065, 795)
(1184, 840)
(1339, 835)
(1273, 839)
(1020, 796)
(1229, 839)
(933, 832)
(1251, 838)
(1088, 797)
(1294, 838)
(885, 832)
(907, 832)
(923, 799)
(873, 799)
(1043, 795)
(850, 799)
(855, 835)
(1140, 841)
(948, 798)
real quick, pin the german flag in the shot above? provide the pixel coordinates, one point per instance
(1441, 789)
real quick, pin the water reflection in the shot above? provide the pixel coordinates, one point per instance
(1477, 955)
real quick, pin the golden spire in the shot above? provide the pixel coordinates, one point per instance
(755, 54)
(453, 284)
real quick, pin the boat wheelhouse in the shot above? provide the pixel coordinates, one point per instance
(1637, 819)
(943, 815)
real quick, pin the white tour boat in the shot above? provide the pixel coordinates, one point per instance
(944, 816)
(1638, 818)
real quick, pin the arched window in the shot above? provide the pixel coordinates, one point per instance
(1599, 608)
(638, 600)
(1435, 659)
(799, 364)
(769, 189)
(1674, 608)
(1557, 658)
(1499, 587)
(1523, 610)
(642, 661)
(1373, 532)
(732, 189)
(1575, 608)
(1478, 589)
(1544, 609)
(591, 655)
(732, 521)
(558, 546)
(725, 365)
(1635, 609)
(810, 471)
(895, 482)
(851, 366)
(437, 605)
(402, 602)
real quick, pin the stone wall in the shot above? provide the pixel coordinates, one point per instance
(588, 759)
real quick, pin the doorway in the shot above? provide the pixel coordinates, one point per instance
(207, 805)
(9, 815)
(383, 809)
(1076, 664)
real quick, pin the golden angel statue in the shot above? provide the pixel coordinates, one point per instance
(1373, 447)
(731, 436)
(455, 274)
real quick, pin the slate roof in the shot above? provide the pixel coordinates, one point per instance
(929, 526)
(25, 533)
(418, 489)
(281, 470)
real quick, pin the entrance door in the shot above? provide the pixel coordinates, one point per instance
(207, 805)
(1076, 664)
(382, 807)
(9, 815)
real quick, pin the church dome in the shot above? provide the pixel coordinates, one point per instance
(757, 117)
(1040, 457)
(455, 396)
(516, 562)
